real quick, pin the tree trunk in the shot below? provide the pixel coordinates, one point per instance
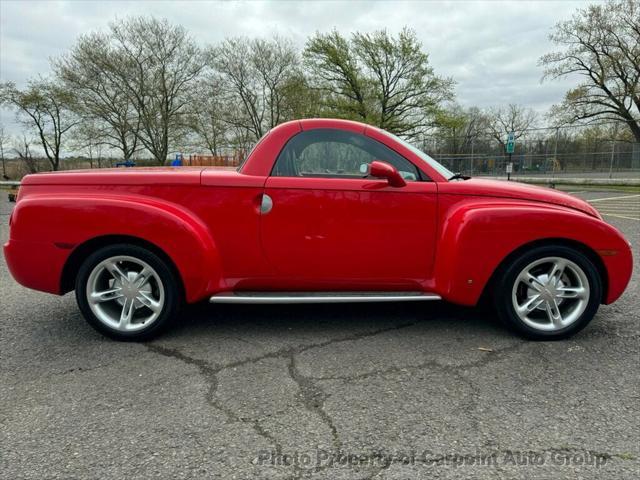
(635, 129)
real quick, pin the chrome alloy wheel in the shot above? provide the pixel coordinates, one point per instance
(125, 293)
(550, 294)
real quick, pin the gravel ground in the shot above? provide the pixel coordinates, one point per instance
(382, 391)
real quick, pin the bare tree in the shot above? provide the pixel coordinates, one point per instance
(513, 118)
(23, 150)
(46, 107)
(459, 128)
(601, 43)
(260, 78)
(276, 62)
(100, 96)
(207, 118)
(89, 140)
(378, 78)
(156, 64)
(4, 140)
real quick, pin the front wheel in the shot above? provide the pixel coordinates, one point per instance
(127, 292)
(548, 293)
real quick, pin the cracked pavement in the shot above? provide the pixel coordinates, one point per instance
(378, 391)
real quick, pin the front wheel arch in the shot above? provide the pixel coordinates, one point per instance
(73, 263)
(487, 292)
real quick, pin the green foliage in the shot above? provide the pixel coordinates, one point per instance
(459, 129)
(377, 78)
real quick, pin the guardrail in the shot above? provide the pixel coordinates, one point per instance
(10, 183)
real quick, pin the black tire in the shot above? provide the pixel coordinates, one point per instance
(507, 276)
(172, 296)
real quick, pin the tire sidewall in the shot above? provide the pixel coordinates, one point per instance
(167, 277)
(503, 295)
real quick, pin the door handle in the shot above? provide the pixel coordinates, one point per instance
(266, 204)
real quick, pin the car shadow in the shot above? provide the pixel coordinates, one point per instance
(334, 319)
(307, 323)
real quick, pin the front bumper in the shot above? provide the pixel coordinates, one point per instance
(619, 268)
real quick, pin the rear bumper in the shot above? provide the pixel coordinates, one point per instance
(36, 265)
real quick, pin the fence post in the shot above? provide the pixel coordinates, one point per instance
(613, 150)
(471, 163)
(555, 153)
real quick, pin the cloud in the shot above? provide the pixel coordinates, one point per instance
(490, 48)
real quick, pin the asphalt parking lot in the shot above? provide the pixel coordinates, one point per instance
(332, 391)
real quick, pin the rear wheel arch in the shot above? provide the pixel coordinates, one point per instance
(564, 242)
(174, 232)
(80, 253)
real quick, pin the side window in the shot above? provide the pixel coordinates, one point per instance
(336, 154)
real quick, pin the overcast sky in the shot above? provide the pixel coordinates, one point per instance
(491, 48)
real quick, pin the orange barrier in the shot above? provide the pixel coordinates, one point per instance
(215, 160)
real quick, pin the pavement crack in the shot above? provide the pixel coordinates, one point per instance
(210, 374)
(72, 370)
(311, 395)
(286, 352)
(313, 399)
(401, 369)
(384, 371)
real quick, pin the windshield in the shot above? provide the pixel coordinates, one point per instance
(442, 170)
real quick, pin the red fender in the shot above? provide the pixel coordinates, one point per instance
(477, 236)
(70, 220)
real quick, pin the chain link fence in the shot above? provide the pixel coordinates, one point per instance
(621, 162)
(558, 153)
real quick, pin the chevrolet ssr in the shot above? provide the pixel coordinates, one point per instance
(321, 211)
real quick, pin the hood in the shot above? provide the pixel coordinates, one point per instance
(520, 191)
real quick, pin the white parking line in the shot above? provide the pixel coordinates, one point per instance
(620, 216)
(612, 198)
(618, 210)
(620, 205)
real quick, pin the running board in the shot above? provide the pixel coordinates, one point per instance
(321, 297)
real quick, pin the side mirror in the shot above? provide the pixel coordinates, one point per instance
(380, 169)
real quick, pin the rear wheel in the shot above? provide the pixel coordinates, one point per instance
(550, 292)
(127, 292)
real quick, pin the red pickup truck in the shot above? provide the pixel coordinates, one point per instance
(321, 211)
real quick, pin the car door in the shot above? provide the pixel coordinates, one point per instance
(325, 226)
